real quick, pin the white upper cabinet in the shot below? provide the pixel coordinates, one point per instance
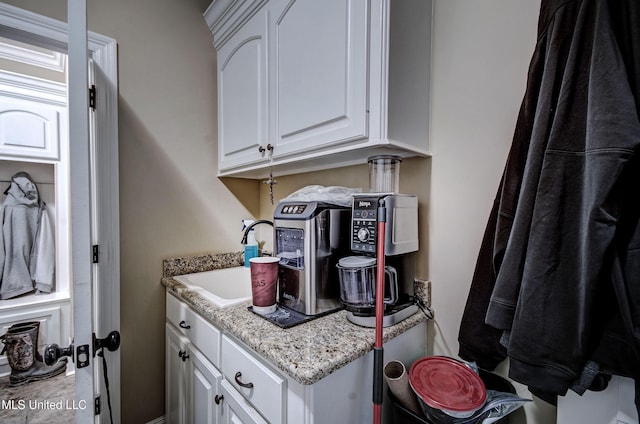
(32, 117)
(319, 90)
(242, 95)
(306, 84)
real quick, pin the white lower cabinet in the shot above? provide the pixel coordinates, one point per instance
(196, 390)
(215, 378)
(175, 376)
(263, 388)
(191, 377)
(192, 382)
(203, 388)
(236, 409)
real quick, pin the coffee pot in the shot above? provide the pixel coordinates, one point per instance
(358, 286)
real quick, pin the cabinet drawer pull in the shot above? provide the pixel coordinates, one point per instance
(183, 324)
(218, 399)
(240, 383)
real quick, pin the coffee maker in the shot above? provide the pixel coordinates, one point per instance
(357, 277)
(357, 273)
(310, 236)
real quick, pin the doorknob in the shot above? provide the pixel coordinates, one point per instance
(53, 352)
(111, 342)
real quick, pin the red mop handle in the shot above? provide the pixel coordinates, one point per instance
(380, 275)
(378, 352)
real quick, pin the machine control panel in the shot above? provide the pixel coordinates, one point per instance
(293, 209)
(364, 225)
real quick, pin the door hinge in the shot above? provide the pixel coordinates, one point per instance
(95, 256)
(92, 97)
(96, 406)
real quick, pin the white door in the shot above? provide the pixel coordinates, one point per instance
(94, 193)
(203, 388)
(81, 209)
(94, 212)
(175, 376)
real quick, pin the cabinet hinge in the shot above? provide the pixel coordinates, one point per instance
(95, 258)
(96, 406)
(92, 97)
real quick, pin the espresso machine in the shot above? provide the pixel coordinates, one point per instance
(310, 237)
(357, 272)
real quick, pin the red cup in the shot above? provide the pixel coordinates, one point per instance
(264, 279)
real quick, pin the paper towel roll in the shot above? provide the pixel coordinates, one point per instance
(398, 380)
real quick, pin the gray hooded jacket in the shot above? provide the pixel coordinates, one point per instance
(27, 247)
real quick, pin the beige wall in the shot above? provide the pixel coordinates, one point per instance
(173, 204)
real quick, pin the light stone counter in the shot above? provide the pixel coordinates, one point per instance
(307, 352)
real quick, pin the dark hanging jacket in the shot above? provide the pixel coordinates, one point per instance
(557, 281)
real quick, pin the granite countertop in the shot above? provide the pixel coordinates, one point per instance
(307, 352)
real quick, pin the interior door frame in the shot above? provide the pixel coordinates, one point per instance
(29, 27)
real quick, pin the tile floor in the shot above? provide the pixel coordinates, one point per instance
(49, 401)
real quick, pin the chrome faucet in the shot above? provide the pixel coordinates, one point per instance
(250, 226)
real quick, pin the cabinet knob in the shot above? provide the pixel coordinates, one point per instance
(261, 149)
(183, 324)
(218, 399)
(240, 383)
(183, 355)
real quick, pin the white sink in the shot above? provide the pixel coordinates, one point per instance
(222, 287)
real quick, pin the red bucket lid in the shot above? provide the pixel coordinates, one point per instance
(445, 383)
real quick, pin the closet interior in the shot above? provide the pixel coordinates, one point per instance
(34, 140)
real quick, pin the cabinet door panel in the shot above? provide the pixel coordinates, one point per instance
(321, 73)
(242, 94)
(236, 410)
(175, 376)
(204, 385)
(29, 129)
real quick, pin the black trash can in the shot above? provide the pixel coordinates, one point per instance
(402, 415)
